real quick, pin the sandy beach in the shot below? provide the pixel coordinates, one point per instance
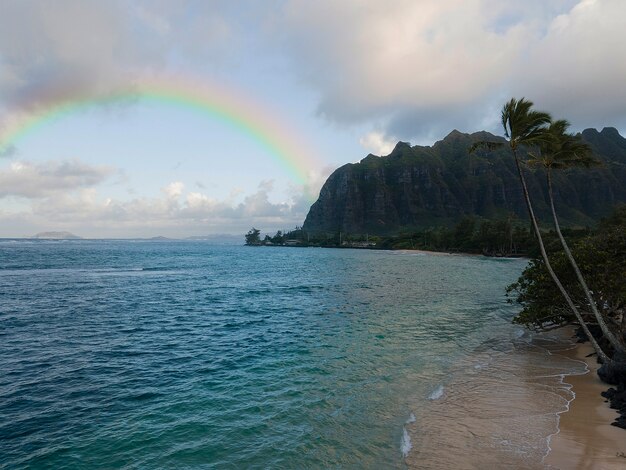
(586, 439)
(535, 406)
(435, 253)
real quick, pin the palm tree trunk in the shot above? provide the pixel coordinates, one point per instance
(608, 334)
(601, 354)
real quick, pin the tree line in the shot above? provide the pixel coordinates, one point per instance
(295, 237)
(506, 236)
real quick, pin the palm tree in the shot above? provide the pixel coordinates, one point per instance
(560, 150)
(525, 127)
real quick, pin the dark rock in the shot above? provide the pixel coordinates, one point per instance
(597, 334)
(613, 373)
(617, 400)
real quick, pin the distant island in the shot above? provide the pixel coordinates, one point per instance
(56, 236)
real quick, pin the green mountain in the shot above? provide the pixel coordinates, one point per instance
(418, 187)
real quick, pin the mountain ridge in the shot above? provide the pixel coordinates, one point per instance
(419, 186)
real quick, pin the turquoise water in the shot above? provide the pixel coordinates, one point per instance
(120, 354)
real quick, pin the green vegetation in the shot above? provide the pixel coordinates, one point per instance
(533, 138)
(292, 238)
(417, 187)
(600, 255)
(499, 237)
(253, 237)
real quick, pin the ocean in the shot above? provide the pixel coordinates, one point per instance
(181, 354)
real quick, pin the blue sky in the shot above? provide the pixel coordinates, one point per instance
(350, 77)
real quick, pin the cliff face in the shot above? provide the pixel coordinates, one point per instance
(417, 187)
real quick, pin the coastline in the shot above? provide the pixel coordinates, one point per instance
(451, 253)
(535, 405)
(586, 439)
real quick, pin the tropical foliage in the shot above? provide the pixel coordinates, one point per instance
(253, 237)
(534, 139)
(601, 256)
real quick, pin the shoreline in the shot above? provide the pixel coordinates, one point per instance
(537, 405)
(402, 250)
(454, 253)
(585, 438)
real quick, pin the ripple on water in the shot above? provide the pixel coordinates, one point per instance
(181, 354)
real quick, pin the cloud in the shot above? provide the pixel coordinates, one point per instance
(576, 69)
(420, 66)
(409, 68)
(377, 143)
(50, 51)
(39, 180)
(174, 190)
(406, 70)
(54, 50)
(176, 213)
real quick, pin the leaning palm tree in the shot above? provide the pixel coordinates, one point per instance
(560, 150)
(525, 127)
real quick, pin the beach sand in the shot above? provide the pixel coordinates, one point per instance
(586, 439)
(497, 410)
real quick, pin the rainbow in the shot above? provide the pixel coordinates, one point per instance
(218, 102)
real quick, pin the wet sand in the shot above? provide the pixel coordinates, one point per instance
(496, 409)
(586, 439)
(535, 405)
(435, 253)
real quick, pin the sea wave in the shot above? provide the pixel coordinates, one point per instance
(437, 393)
(405, 444)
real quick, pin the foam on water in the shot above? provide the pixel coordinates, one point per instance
(405, 444)
(437, 393)
(572, 395)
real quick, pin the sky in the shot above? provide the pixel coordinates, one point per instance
(191, 117)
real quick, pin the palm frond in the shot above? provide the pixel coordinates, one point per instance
(535, 161)
(523, 125)
(560, 150)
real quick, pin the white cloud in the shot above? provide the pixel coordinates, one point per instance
(39, 180)
(368, 58)
(174, 190)
(176, 213)
(420, 67)
(377, 143)
(425, 67)
(50, 51)
(576, 69)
